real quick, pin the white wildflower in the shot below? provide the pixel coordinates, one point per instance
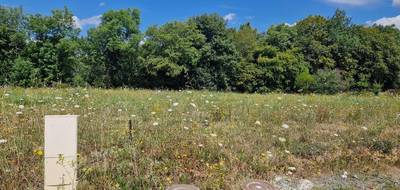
(119, 110)
(213, 135)
(19, 113)
(344, 175)
(364, 128)
(58, 98)
(133, 115)
(279, 98)
(220, 145)
(170, 110)
(287, 152)
(201, 145)
(292, 169)
(336, 135)
(153, 113)
(285, 126)
(186, 128)
(21, 107)
(155, 124)
(6, 95)
(77, 106)
(282, 139)
(87, 96)
(258, 123)
(193, 105)
(175, 104)
(2, 141)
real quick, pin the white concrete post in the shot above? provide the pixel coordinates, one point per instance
(60, 152)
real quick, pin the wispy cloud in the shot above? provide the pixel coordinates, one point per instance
(387, 21)
(102, 4)
(353, 2)
(249, 17)
(229, 17)
(396, 3)
(91, 21)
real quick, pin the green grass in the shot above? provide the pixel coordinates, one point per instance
(210, 139)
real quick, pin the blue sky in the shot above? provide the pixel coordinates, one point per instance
(261, 13)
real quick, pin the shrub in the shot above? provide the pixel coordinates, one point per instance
(329, 82)
(304, 82)
(22, 73)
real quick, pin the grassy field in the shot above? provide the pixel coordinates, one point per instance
(211, 139)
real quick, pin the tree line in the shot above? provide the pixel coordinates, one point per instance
(317, 54)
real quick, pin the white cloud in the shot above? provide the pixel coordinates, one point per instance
(230, 17)
(396, 3)
(93, 21)
(102, 4)
(290, 25)
(353, 2)
(387, 21)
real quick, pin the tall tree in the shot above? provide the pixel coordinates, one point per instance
(114, 45)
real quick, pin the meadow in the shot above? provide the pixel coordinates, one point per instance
(214, 140)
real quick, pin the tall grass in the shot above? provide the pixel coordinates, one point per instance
(211, 139)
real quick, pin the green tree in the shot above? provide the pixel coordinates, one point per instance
(169, 52)
(219, 63)
(53, 48)
(113, 49)
(12, 39)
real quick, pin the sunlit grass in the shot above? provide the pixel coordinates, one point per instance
(212, 139)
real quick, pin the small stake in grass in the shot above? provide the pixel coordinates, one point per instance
(183, 187)
(130, 129)
(60, 152)
(257, 185)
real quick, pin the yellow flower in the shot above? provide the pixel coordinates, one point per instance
(38, 152)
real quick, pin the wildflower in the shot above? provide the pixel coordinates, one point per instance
(21, 107)
(287, 152)
(292, 169)
(258, 123)
(175, 104)
(133, 115)
(38, 152)
(170, 110)
(6, 95)
(58, 98)
(119, 110)
(285, 126)
(77, 106)
(87, 96)
(220, 145)
(155, 124)
(186, 128)
(336, 135)
(364, 128)
(201, 145)
(344, 175)
(269, 154)
(153, 113)
(19, 113)
(2, 141)
(279, 98)
(282, 139)
(207, 102)
(213, 135)
(193, 105)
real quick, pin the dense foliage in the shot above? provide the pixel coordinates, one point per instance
(318, 54)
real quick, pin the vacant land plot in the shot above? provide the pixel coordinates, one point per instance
(210, 139)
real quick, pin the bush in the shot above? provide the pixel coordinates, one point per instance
(22, 73)
(304, 82)
(329, 82)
